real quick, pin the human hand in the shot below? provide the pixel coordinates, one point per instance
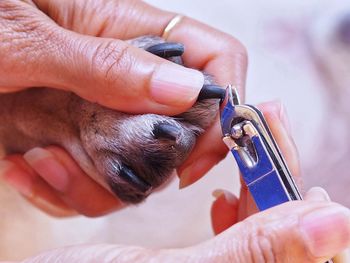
(313, 230)
(61, 27)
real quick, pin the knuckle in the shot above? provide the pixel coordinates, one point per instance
(235, 44)
(236, 48)
(19, 24)
(17, 17)
(263, 246)
(274, 243)
(262, 249)
(236, 52)
(23, 35)
(111, 60)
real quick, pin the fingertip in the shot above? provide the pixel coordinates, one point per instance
(18, 174)
(224, 210)
(48, 167)
(196, 170)
(83, 193)
(326, 230)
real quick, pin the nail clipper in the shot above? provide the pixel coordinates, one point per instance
(246, 134)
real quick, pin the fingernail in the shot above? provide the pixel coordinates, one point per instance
(175, 85)
(285, 118)
(194, 172)
(327, 231)
(45, 164)
(317, 194)
(276, 106)
(230, 198)
(16, 178)
(217, 193)
(51, 208)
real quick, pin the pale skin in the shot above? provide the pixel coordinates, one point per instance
(69, 27)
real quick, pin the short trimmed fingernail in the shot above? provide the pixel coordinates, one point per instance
(276, 106)
(175, 85)
(193, 172)
(317, 194)
(285, 118)
(16, 178)
(51, 208)
(327, 230)
(45, 164)
(230, 198)
(217, 193)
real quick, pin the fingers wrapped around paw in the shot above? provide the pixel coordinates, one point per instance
(53, 182)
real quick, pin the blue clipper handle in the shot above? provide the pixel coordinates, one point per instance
(263, 179)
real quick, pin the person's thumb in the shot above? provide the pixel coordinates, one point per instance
(110, 72)
(300, 231)
(121, 76)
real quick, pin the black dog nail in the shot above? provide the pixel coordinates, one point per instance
(167, 50)
(166, 131)
(211, 92)
(128, 175)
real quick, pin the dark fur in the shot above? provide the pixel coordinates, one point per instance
(99, 139)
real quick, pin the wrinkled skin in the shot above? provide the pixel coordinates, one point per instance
(104, 141)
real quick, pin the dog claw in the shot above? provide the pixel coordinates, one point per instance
(211, 92)
(128, 175)
(166, 131)
(166, 50)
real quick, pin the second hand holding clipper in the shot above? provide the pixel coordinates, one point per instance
(263, 168)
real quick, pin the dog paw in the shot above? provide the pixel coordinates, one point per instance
(137, 153)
